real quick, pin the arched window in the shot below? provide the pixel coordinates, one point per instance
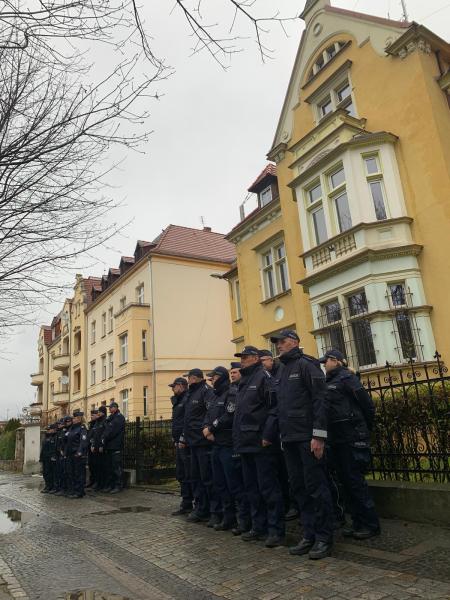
(325, 56)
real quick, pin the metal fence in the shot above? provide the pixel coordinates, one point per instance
(411, 436)
(149, 449)
(410, 440)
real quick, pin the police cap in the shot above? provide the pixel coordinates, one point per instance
(265, 353)
(336, 354)
(113, 405)
(178, 380)
(194, 373)
(283, 334)
(248, 351)
(221, 371)
(235, 365)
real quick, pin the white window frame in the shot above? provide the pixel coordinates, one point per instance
(332, 95)
(140, 294)
(337, 192)
(312, 206)
(237, 299)
(122, 302)
(103, 357)
(110, 319)
(103, 324)
(123, 344)
(145, 400)
(93, 332)
(268, 192)
(274, 268)
(93, 372)
(124, 402)
(111, 363)
(144, 344)
(376, 178)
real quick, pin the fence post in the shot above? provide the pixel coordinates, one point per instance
(138, 452)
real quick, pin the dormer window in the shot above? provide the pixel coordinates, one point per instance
(325, 57)
(339, 97)
(265, 196)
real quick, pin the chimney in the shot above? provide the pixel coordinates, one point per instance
(207, 229)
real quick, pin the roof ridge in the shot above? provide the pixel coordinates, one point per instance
(361, 15)
(194, 229)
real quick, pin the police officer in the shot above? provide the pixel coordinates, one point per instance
(97, 450)
(273, 367)
(255, 438)
(61, 456)
(226, 464)
(93, 476)
(112, 443)
(182, 454)
(207, 505)
(351, 418)
(302, 415)
(47, 458)
(77, 449)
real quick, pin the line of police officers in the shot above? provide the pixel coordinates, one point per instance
(272, 434)
(69, 445)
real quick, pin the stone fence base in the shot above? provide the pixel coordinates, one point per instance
(11, 465)
(419, 502)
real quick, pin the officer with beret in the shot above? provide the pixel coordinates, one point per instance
(255, 438)
(77, 449)
(182, 454)
(226, 464)
(112, 443)
(47, 458)
(93, 475)
(199, 396)
(303, 417)
(351, 417)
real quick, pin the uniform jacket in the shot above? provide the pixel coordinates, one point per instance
(255, 414)
(60, 441)
(114, 432)
(220, 415)
(351, 412)
(199, 396)
(96, 433)
(77, 440)
(302, 398)
(48, 449)
(178, 409)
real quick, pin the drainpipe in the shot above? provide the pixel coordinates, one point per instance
(152, 328)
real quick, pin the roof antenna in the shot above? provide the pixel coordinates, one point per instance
(202, 221)
(405, 12)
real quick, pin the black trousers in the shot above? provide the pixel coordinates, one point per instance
(115, 469)
(206, 498)
(93, 466)
(262, 486)
(61, 473)
(47, 473)
(309, 483)
(77, 466)
(346, 461)
(183, 470)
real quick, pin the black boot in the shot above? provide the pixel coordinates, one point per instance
(320, 550)
(303, 547)
(213, 521)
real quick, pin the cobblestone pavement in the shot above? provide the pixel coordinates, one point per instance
(128, 546)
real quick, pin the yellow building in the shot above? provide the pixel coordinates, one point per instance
(127, 335)
(362, 153)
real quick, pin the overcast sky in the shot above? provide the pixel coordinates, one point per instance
(212, 130)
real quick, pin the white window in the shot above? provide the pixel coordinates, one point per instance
(237, 299)
(123, 341)
(110, 319)
(93, 324)
(144, 344)
(375, 182)
(103, 324)
(339, 97)
(123, 302)
(110, 363)
(145, 397)
(103, 367)
(140, 294)
(325, 57)
(315, 212)
(265, 196)
(338, 196)
(404, 322)
(124, 402)
(274, 271)
(93, 372)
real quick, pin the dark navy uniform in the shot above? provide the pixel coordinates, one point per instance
(199, 396)
(226, 464)
(48, 459)
(61, 457)
(91, 452)
(183, 455)
(351, 418)
(302, 414)
(255, 420)
(112, 442)
(98, 458)
(76, 451)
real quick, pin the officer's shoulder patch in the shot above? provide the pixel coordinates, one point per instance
(252, 387)
(231, 407)
(84, 437)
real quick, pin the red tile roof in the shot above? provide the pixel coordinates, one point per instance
(269, 169)
(47, 334)
(88, 284)
(201, 244)
(365, 17)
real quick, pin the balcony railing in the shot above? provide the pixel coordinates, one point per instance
(61, 362)
(374, 236)
(37, 379)
(60, 398)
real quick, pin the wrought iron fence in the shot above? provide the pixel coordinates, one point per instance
(149, 449)
(411, 436)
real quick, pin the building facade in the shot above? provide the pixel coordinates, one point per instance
(127, 335)
(362, 153)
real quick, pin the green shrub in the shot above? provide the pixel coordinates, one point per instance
(12, 425)
(8, 445)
